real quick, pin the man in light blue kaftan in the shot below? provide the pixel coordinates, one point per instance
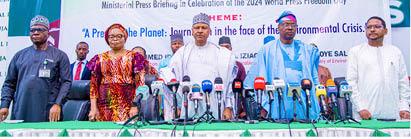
(292, 61)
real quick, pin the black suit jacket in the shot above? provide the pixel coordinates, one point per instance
(86, 75)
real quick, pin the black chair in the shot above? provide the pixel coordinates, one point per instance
(77, 105)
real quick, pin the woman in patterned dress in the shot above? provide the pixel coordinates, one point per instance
(115, 76)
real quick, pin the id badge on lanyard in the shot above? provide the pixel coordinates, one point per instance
(44, 72)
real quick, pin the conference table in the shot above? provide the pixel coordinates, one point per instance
(230, 129)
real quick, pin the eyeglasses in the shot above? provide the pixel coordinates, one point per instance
(32, 30)
(292, 25)
(375, 27)
(115, 36)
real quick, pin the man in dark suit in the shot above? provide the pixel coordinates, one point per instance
(78, 68)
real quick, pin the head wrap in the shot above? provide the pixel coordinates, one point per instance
(223, 40)
(113, 26)
(176, 37)
(40, 20)
(201, 18)
(285, 16)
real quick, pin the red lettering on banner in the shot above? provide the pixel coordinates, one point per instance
(229, 17)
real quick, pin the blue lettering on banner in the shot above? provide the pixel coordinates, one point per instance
(184, 32)
(132, 33)
(94, 33)
(340, 53)
(352, 28)
(326, 53)
(97, 33)
(146, 32)
(336, 53)
(155, 56)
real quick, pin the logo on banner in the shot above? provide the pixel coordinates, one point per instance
(400, 13)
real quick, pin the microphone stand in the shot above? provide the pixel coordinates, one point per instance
(307, 109)
(280, 120)
(236, 108)
(138, 116)
(236, 114)
(158, 120)
(219, 120)
(260, 106)
(348, 111)
(334, 106)
(140, 113)
(323, 113)
(208, 115)
(185, 120)
(175, 106)
(295, 97)
(271, 100)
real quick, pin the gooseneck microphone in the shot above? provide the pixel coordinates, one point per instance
(237, 87)
(219, 88)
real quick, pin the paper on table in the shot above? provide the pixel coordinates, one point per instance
(13, 121)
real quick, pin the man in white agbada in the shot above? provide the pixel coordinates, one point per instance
(203, 60)
(378, 75)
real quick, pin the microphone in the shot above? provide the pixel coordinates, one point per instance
(259, 84)
(141, 94)
(207, 86)
(157, 87)
(306, 85)
(321, 95)
(237, 86)
(173, 85)
(186, 84)
(332, 91)
(345, 89)
(195, 95)
(279, 86)
(186, 89)
(269, 88)
(294, 90)
(218, 87)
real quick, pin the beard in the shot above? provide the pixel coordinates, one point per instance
(40, 42)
